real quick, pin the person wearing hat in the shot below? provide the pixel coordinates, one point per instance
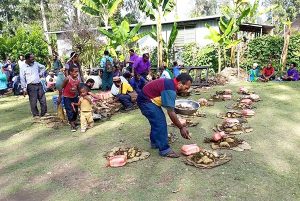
(254, 73)
(123, 96)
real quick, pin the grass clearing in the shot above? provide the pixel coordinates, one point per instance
(40, 163)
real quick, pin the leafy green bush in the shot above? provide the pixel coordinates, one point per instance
(25, 40)
(193, 55)
(263, 49)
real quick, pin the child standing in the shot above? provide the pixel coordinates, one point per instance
(70, 89)
(85, 105)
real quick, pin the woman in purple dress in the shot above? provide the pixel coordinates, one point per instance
(292, 74)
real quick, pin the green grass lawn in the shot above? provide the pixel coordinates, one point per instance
(40, 163)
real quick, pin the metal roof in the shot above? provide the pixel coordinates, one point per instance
(152, 23)
(256, 28)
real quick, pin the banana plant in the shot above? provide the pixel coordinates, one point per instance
(222, 40)
(122, 37)
(229, 27)
(167, 45)
(156, 9)
(103, 9)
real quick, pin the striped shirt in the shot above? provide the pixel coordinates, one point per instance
(161, 92)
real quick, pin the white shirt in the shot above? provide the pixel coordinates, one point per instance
(114, 89)
(165, 74)
(20, 62)
(30, 74)
(49, 77)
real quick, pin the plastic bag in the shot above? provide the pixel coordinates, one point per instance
(59, 80)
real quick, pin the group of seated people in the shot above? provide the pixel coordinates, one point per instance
(125, 86)
(268, 73)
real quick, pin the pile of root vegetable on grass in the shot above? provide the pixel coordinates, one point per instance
(107, 106)
(234, 122)
(224, 136)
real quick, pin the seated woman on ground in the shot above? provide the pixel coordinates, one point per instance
(268, 73)
(292, 74)
(254, 73)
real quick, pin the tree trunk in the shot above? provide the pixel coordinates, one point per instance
(225, 57)
(159, 39)
(45, 27)
(105, 19)
(78, 12)
(232, 57)
(238, 61)
(284, 54)
(219, 59)
(232, 52)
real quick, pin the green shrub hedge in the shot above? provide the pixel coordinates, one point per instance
(261, 50)
(26, 40)
(193, 55)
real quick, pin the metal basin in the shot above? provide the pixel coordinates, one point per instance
(186, 107)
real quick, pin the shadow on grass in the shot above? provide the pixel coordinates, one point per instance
(72, 167)
(16, 116)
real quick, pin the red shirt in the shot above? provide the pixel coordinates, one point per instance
(71, 88)
(268, 71)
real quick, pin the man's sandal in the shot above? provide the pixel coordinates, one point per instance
(172, 154)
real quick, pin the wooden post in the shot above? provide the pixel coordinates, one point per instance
(159, 39)
(238, 58)
(284, 54)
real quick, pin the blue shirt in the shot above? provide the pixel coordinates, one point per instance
(103, 62)
(3, 80)
(176, 71)
(138, 85)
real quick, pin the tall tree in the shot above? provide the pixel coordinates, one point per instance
(284, 11)
(156, 9)
(103, 9)
(14, 13)
(134, 14)
(45, 26)
(229, 23)
(282, 17)
(204, 8)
